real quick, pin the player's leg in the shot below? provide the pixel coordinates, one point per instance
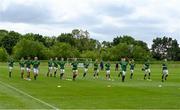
(10, 71)
(123, 75)
(149, 74)
(166, 75)
(85, 72)
(145, 74)
(61, 73)
(49, 69)
(132, 71)
(22, 72)
(108, 74)
(74, 74)
(28, 72)
(55, 71)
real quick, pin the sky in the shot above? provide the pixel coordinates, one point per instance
(103, 19)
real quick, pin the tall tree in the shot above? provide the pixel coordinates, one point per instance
(165, 47)
(10, 40)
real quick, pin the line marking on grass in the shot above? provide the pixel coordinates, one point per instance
(20, 91)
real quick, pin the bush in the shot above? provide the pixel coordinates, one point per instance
(25, 48)
(3, 54)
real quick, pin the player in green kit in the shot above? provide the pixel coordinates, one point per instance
(132, 65)
(22, 65)
(120, 68)
(28, 63)
(56, 62)
(36, 64)
(123, 64)
(10, 65)
(75, 68)
(147, 70)
(96, 69)
(164, 70)
(62, 66)
(108, 66)
(86, 64)
(50, 67)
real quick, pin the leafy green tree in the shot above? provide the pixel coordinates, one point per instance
(10, 40)
(3, 54)
(64, 50)
(25, 48)
(90, 54)
(165, 47)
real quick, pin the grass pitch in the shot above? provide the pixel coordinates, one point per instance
(89, 93)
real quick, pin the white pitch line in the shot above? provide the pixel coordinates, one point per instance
(45, 103)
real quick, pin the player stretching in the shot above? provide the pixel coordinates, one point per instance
(55, 66)
(108, 66)
(86, 64)
(22, 65)
(147, 69)
(96, 70)
(28, 63)
(10, 64)
(120, 68)
(62, 65)
(132, 65)
(35, 64)
(50, 67)
(75, 69)
(164, 70)
(123, 64)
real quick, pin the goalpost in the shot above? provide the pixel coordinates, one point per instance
(79, 60)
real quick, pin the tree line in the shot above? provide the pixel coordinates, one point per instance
(79, 44)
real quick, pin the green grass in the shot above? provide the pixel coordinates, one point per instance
(91, 93)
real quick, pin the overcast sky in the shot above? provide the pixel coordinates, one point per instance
(104, 19)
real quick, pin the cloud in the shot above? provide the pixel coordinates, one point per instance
(104, 19)
(20, 13)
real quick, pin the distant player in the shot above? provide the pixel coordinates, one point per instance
(123, 64)
(120, 68)
(10, 65)
(102, 65)
(108, 66)
(96, 69)
(164, 70)
(146, 68)
(50, 67)
(117, 66)
(86, 65)
(132, 65)
(62, 66)
(55, 66)
(22, 67)
(36, 64)
(28, 63)
(75, 68)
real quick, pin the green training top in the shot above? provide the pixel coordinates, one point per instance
(56, 63)
(50, 63)
(164, 66)
(35, 63)
(62, 64)
(107, 65)
(22, 63)
(28, 63)
(132, 65)
(146, 65)
(75, 65)
(11, 63)
(96, 66)
(123, 65)
(86, 64)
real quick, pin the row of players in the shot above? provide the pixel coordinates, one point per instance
(54, 64)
